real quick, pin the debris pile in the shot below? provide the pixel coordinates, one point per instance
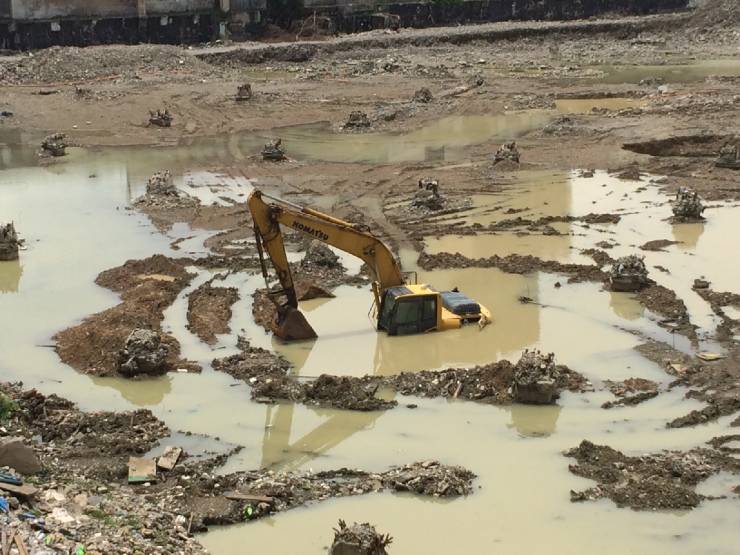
(663, 481)
(629, 274)
(160, 118)
(536, 378)
(507, 151)
(244, 92)
(728, 157)
(55, 144)
(357, 120)
(427, 196)
(143, 353)
(273, 151)
(688, 206)
(423, 95)
(630, 392)
(359, 539)
(8, 242)
(430, 478)
(161, 183)
(318, 254)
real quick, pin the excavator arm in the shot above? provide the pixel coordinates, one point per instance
(269, 216)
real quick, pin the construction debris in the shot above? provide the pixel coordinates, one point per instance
(160, 118)
(273, 151)
(507, 151)
(161, 183)
(8, 242)
(629, 274)
(244, 92)
(357, 120)
(536, 378)
(169, 458)
(143, 353)
(427, 196)
(359, 539)
(688, 206)
(423, 95)
(318, 254)
(55, 144)
(141, 470)
(728, 157)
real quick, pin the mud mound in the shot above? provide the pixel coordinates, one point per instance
(209, 310)
(662, 481)
(707, 145)
(716, 13)
(251, 363)
(61, 64)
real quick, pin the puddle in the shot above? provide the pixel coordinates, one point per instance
(670, 73)
(587, 105)
(76, 226)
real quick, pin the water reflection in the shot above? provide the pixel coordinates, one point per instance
(10, 275)
(688, 234)
(534, 421)
(625, 305)
(142, 393)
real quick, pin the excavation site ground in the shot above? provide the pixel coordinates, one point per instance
(133, 229)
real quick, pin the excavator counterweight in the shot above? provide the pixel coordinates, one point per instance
(400, 307)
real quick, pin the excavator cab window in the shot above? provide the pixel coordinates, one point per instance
(409, 315)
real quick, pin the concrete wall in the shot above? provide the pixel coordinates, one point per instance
(4, 8)
(29, 10)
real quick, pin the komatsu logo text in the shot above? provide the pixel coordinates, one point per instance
(310, 231)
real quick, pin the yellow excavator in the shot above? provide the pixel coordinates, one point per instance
(400, 308)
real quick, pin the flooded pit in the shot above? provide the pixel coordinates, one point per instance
(691, 72)
(76, 226)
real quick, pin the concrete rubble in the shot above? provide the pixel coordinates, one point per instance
(319, 254)
(507, 151)
(359, 539)
(160, 118)
(629, 274)
(9, 242)
(728, 157)
(687, 207)
(54, 145)
(273, 151)
(536, 378)
(143, 353)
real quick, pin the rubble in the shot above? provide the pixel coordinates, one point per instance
(244, 92)
(507, 151)
(687, 206)
(359, 539)
(423, 95)
(160, 118)
(9, 242)
(143, 353)
(728, 157)
(357, 120)
(161, 183)
(55, 144)
(319, 254)
(630, 392)
(663, 481)
(273, 151)
(427, 196)
(629, 274)
(535, 378)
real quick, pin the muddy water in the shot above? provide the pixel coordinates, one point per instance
(76, 225)
(670, 73)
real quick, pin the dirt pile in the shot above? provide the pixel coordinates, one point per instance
(358, 539)
(8, 242)
(319, 254)
(536, 378)
(664, 481)
(666, 303)
(161, 193)
(630, 392)
(146, 287)
(513, 264)
(209, 310)
(629, 274)
(57, 64)
(252, 364)
(687, 207)
(54, 145)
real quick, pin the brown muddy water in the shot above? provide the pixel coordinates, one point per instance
(73, 216)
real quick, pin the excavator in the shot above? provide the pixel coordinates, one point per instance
(399, 307)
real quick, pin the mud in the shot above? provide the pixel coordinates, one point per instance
(146, 288)
(666, 303)
(630, 392)
(209, 310)
(664, 481)
(657, 245)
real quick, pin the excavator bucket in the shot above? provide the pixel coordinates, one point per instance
(291, 325)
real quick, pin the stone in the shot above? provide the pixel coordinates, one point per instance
(19, 456)
(143, 353)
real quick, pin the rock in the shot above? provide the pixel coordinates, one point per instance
(536, 378)
(143, 353)
(423, 95)
(318, 254)
(629, 274)
(18, 456)
(358, 539)
(701, 284)
(357, 120)
(8, 242)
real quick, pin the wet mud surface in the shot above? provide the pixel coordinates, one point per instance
(209, 310)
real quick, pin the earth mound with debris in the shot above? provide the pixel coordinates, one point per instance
(358, 539)
(143, 353)
(687, 207)
(8, 242)
(535, 379)
(629, 274)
